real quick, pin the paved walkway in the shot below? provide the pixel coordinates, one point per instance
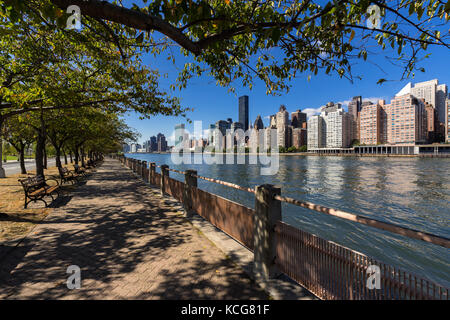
(13, 166)
(129, 243)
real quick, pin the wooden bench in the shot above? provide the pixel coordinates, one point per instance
(36, 188)
(92, 164)
(67, 176)
(79, 170)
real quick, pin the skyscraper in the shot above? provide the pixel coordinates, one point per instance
(243, 111)
(299, 137)
(162, 143)
(433, 93)
(153, 144)
(406, 120)
(372, 124)
(432, 123)
(212, 127)
(354, 108)
(337, 124)
(316, 132)
(220, 133)
(282, 119)
(297, 119)
(258, 123)
(235, 126)
(273, 121)
(447, 120)
(441, 97)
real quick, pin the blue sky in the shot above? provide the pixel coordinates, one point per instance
(212, 103)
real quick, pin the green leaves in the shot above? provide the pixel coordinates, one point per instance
(247, 40)
(276, 33)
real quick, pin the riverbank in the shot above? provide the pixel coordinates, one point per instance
(289, 154)
(369, 155)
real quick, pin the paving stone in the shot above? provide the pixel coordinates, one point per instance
(129, 242)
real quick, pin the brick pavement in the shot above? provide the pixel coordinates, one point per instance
(129, 242)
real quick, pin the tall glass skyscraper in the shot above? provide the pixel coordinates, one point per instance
(243, 111)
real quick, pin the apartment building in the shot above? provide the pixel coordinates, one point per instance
(337, 126)
(316, 132)
(406, 120)
(372, 123)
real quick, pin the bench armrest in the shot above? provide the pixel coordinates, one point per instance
(51, 177)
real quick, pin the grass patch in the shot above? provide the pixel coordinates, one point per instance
(10, 157)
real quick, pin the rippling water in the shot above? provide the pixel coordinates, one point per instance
(412, 192)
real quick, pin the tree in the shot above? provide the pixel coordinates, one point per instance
(43, 68)
(20, 136)
(230, 40)
(233, 39)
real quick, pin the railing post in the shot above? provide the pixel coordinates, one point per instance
(138, 167)
(267, 213)
(164, 173)
(151, 177)
(144, 169)
(190, 180)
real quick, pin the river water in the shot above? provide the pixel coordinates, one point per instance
(411, 192)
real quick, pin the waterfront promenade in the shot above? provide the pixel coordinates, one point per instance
(129, 242)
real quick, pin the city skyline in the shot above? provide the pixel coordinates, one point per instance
(236, 113)
(211, 101)
(409, 118)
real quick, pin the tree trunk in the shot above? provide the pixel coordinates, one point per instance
(70, 155)
(58, 157)
(82, 157)
(39, 155)
(22, 159)
(77, 155)
(2, 171)
(65, 157)
(45, 156)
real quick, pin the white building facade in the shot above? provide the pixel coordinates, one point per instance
(316, 132)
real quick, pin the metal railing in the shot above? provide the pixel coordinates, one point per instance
(327, 269)
(332, 271)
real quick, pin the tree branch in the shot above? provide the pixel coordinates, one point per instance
(131, 18)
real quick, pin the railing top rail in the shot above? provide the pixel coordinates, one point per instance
(228, 184)
(411, 233)
(177, 171)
